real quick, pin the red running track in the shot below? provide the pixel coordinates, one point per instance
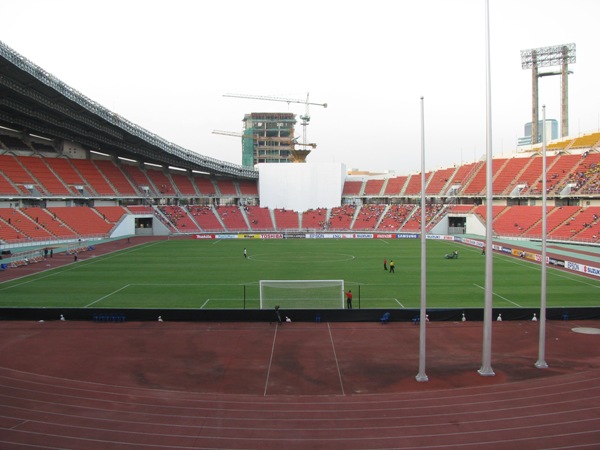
(79, 385)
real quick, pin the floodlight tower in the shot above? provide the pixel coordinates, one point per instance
(556, 55)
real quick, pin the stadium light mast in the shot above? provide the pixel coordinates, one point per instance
(556, 55)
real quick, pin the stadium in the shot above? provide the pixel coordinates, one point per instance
(97, 213)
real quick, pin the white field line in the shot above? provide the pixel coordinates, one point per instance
(107, 295)
(503, 298)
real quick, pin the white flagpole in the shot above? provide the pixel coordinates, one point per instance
(541, 362)
(486, 363)
(422, 376)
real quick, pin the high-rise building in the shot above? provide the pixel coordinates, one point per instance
(551, 130)
(267, 138)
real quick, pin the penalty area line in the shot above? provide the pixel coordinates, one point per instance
(401, 305)
(107, 295)
(503, 298)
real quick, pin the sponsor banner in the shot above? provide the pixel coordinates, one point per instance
(204, 236)
(272, 236)
(584, 268)
(249, 236)
(294, 236)
(363, 236)
(592, 270)
(384, 236)
(226, 236)
(315, 236)
(556, 262)
(407, 236)
(340, 236)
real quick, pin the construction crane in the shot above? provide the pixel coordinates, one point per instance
(297, 155)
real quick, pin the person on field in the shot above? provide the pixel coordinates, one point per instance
(392, 265)
(384, 264)
(245, 253)
(349, 299)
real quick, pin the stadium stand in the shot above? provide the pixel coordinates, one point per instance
(184, 184)
(116, 177)
(233, 218)
(140, 180)
(111, 213)
(352, 187)
(50, 222)
(13, 170)
(64, 170)
(206, 217)
(259, 218)
(205, 186)
(160, 181)
(42, 173)
(413, 187)
(227, 187)
(93, 176)
(83, 220)
(6, 187)
(179, 218)
(314, 219)
(341, 217)
(286, 219)
(395, 185)
(368, 217)
(373, 187)
(248, 188)
(438, 181)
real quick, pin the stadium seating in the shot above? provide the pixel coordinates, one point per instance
(286, 219)
(368, 216)
(64, 170)
(373, 187)
(160, 181)
(205, 186)
(42, 173)
(438, 180)
(413, 187)
(111, 213)
(395, 217)
(93, 176)
(226, 187)
(116, 177)
(81, 219)
(14, 171)
(184, 184)
(206, 218)
(259, 218)
(49, 222)
(341, 217)
(248, 187)
(314, 219)
(140, 180)
(179, 218)
(395, 185)
(233, 218)
(352, 187)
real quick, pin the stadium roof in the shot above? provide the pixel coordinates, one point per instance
(34, 101)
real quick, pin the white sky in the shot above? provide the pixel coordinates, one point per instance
(165, 66)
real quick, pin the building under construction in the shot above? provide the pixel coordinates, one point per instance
(268, 138)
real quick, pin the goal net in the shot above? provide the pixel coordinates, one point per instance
(302, 294)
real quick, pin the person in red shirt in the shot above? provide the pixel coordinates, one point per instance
(349, 299)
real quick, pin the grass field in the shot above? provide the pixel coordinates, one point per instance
(215, 274)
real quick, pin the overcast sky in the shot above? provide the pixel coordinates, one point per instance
(165, 66)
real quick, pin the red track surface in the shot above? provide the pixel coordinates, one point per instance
(82, 385)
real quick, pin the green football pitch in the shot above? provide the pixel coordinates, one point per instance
(215, 274)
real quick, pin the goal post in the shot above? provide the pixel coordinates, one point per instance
(302, 294)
